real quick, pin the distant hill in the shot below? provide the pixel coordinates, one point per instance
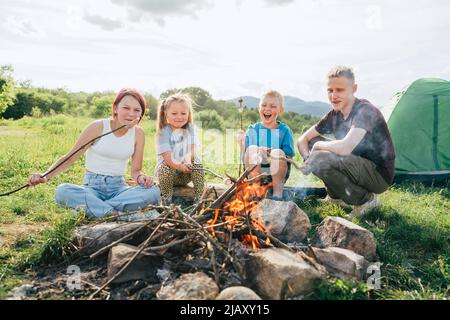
(314, 108)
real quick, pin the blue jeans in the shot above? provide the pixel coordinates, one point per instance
(100, 195)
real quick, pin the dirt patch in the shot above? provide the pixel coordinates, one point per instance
(11, 232)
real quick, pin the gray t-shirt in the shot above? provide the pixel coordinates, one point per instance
(178, 142)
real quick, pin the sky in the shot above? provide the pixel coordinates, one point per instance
(230, 48)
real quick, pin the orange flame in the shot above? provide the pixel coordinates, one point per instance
(243, 209)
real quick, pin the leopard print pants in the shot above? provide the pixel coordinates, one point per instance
(169, 178)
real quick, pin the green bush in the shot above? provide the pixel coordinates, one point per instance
(102, 106)
(27, 99)
(36, 112)
(6, 87)
(210, 119)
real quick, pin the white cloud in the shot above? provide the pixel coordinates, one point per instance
(74, 17)
(278, 2)
(23, 27)
(104, 23)
(161, 9)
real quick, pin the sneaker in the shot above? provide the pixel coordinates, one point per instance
(338, 202)
(361, 210)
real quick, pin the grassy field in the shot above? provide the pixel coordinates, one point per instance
(412, 228)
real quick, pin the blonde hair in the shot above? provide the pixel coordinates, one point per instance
(165, 105)
(341, 71)
(274, 94)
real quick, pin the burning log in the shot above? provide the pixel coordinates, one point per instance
(230, 192)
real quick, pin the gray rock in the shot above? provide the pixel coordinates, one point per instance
(338, 232)
(278, 274)
(238, 293)
(144, 267)
(93, 238)
(285, 220)
(342, 263)
(190, 286)
(20, 293)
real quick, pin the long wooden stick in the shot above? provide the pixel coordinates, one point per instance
(64, 161)
(212, 253)
(295, 164)
(167, 245)
(241, 116)
(225, 196)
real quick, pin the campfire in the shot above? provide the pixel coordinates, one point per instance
(242, 215)
(225, 238)
(238, 240)
(218, 228)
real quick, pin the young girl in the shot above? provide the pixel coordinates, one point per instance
(176, 147)
(104, 191)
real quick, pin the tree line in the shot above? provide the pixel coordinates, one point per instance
(20, 99)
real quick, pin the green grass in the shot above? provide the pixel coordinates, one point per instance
(412, 228)
(337, 289)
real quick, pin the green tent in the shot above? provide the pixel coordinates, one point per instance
(419, 121)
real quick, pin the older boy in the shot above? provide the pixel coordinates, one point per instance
(359, 164)
(270, 137)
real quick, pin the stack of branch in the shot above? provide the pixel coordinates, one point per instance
(192, 228)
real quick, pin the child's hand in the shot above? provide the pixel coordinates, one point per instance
(185, 168)
(305, 168)
(256, 158)
(145, 181)
(36, 179)
(131, 124)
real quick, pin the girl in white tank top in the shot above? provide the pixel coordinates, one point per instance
(104, 190)
(109, 155)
